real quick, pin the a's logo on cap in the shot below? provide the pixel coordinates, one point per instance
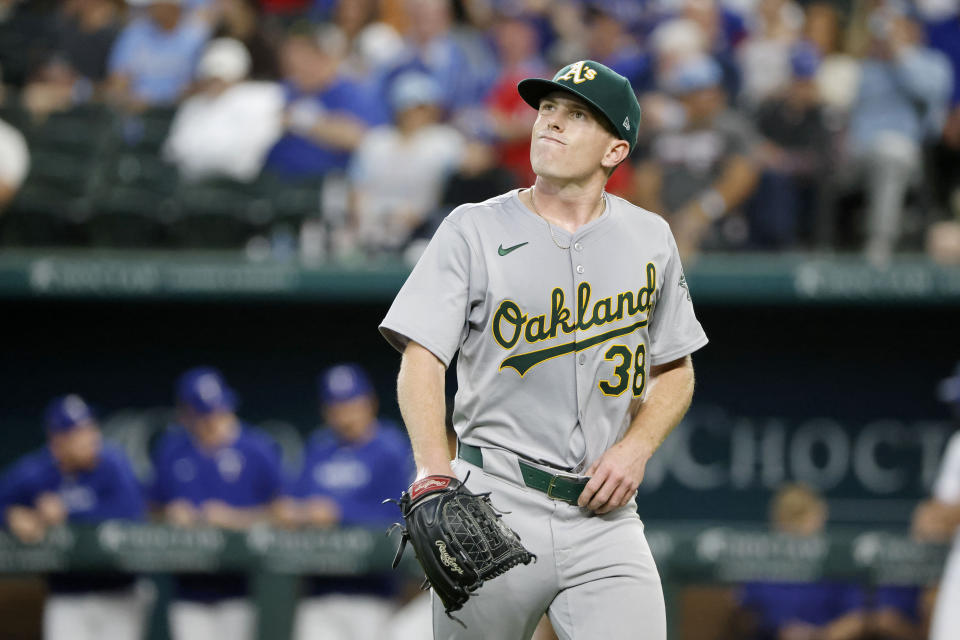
(579, 72)
(626, 123)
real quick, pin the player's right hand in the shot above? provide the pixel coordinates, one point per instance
(26, 524)
(181, 513)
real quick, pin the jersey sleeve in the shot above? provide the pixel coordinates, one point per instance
(674, 329)
(947, 486)
(16, 488)
(432, 306)
(271, 472)
(123, 498)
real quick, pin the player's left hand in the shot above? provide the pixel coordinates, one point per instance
(615, 477)
(51, 509)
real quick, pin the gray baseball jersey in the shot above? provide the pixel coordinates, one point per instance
(554, 343)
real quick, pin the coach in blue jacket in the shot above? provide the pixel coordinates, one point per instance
(213, 470)
(77, 478)
(348, 469)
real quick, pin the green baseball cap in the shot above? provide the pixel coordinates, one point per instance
(599, 86)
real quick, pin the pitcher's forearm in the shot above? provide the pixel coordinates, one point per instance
(667, 402)
(420, 393)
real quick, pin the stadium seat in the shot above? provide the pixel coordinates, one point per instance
(144, 132)
(43, 215)
(80, 132)
(289, 202)
(134, 191)
(217, 214)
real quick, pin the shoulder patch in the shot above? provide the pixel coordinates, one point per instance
(683, 284)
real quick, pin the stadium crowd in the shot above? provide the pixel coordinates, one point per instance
(768, 124)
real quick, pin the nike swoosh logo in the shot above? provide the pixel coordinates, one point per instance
(504, 252)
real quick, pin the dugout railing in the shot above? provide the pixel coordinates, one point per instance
(686, 554)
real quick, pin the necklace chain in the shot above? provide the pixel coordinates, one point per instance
(553, 235)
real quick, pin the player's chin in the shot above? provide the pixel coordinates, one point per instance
(545, 168)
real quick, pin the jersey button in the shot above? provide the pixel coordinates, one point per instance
(578, 247)
(579, 268)
(582, 359)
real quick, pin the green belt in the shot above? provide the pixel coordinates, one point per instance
(557, 487)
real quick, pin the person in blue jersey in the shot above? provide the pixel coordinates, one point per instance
(326, 113)
(77, 478)
(349, 468)
(213, 470)
(828, 610)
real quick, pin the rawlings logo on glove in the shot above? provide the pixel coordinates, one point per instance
(458, 537)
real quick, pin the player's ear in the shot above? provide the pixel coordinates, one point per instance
(617, 152)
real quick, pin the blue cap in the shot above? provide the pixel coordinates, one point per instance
(66, 412)
(414, 88)
(204, 390)
(342, 383)
(692, 75)
(804, 60)
(949, 388)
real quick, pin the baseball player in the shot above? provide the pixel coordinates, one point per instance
(939, 519)
(78, 479)
(348, 468)
(214, 471)
(574, 327)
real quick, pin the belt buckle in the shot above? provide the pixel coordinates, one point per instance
(553, 483)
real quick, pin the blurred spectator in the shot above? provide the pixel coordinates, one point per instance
(724, 31)
(943, 33)
(369, 44)
(228, 127)
(675, 42)
(764, 57)
(838, 75)
(794, 155)
(700, 171)
(611, 43)
(213, 471)
(153, 59)
(837, 611)
(349, 469)
(241, 20)
(24, 38)
(77, 478)
(901, 101)
(478, 178)
(285, 8)
(83, 35)
(398, 171)
(517, 47)
(938, 520)
(943, 242)
(432, 48)
(327, 114)
(14, 163)
(566, 24)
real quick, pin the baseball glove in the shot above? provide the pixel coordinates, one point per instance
(459, 539)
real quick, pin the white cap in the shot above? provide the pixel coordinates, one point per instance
(679, 37)
(224, 59)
